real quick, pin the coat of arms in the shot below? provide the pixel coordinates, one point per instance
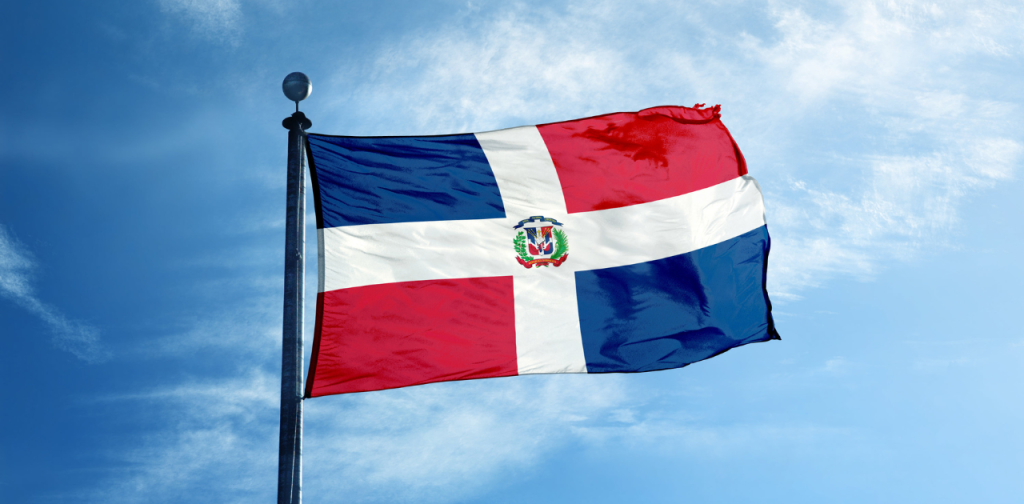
(540, 241)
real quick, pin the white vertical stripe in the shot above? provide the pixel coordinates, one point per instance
(548, 336)
(524, 171)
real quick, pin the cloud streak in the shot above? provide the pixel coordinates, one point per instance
(929, 147)
(450, 441)
(219, 442)
(212, 19)
(16, 264)
(435, 443)
(420, 444)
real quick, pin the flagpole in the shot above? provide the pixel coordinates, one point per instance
(289, 463)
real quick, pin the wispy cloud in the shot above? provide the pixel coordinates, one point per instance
(663, 434)
(447, 442)
(927, 146)
(220, 440)
(16, 265)
(251, 328)
(521, 62)
(413, 445)
(213, 19)
(434, 443)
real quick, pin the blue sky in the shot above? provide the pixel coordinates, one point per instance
(141, 233)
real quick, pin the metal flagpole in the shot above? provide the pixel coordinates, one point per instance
(289, 463)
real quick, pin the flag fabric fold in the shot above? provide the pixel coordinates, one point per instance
(626, 242)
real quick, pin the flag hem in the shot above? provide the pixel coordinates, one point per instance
(311, 373)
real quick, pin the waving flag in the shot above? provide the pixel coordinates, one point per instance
(626, 242)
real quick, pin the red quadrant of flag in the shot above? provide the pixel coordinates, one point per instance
(623, 159)
(394, 335)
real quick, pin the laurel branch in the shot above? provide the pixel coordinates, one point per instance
(561, 244)
(520, 243)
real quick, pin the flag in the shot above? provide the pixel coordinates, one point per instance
(626, 242)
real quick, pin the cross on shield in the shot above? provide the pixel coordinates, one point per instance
(541, 243)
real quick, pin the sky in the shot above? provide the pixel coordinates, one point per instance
(142, 194)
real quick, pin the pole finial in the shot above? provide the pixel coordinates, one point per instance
(297, 87)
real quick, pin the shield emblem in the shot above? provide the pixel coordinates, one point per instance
(540, 240)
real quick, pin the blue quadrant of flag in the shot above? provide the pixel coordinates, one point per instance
(380, 180)
(674, 311)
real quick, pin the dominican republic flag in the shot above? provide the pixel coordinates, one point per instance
(625, 242)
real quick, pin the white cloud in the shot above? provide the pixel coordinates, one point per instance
(220, 440)
(941, 365)
(434, 443)
(215, 19)
(671, 435)
(906, 69)
(419, 444)
(901, 205)
(252, 328)
(835, 365)
(887, 49)
(16, 263)
(522, 62)
(445, 442)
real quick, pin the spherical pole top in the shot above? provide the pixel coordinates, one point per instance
(297, 87)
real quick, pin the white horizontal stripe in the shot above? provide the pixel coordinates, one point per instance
(320, 260)
(410, 251)
(664, 228)
(399, 252)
